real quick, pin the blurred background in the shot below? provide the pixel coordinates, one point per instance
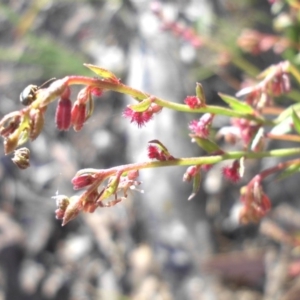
(155, 245)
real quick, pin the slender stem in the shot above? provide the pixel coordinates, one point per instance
(278, 167)
(284, 137)
(138, 95)
(108, 85)
(201, 160)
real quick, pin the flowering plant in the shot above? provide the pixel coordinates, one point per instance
(253, 123)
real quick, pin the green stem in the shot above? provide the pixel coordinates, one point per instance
(295, 72)
(199, 160)
(138, 95)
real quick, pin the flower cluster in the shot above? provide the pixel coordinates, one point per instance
(256, 204)
(275, 82)
(17, 127)
(201, 127)
(255, 42)
(105, 188)
(186, 33)
(96, 195)
(241, 130)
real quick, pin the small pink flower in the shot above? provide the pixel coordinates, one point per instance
(140, 118)
(155, 153)
(191, 172)
(232, 172)
(201, 128)
(194, 102)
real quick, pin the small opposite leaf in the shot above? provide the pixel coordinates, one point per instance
(296, 121)
(159, 144)
(103, 73)
(142, 105)
(236, 104)
(111, 187)
(162, 148)
(207, 145)
(200, 93)
(196, 186)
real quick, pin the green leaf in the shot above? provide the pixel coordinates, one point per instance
(236, 104)
(283, 127)
(296, 121)
(207, 145)
(102, 72)
(196, 186)
(141, 106)
(162, 148)
(200, 92)
(287, 112)
(159, 144)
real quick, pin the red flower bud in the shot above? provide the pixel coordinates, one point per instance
(191, 172)
(63, 114)
(95, 91)
(82, 181)
(78, 116)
